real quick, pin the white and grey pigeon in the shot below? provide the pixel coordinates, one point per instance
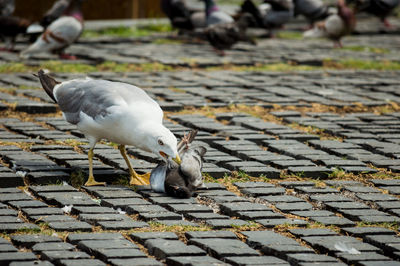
(60, 33)
(335, 26)
(180, 180)
(116, 111)
(56, 11)
(214, 15)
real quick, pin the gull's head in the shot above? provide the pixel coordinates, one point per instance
(164, 144)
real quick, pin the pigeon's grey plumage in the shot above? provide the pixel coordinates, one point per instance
(180, 180)
(313, 10)
(214, 15)
(56, 11)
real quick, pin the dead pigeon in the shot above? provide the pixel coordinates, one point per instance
(380, 8)
(181, 16)
(335, 26)
(60, 34)
(313, 10)
(224, 36)
(180, 180)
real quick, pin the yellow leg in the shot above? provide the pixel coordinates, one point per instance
(136, 179)
(91, 181)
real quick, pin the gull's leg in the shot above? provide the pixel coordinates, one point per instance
(136, 179)
(91, 181)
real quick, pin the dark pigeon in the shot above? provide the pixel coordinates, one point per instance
(180, 180)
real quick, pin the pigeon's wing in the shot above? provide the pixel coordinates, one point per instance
(192, 163)
(223, 36)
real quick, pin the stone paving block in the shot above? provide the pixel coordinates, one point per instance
(52, 246)
(31, 263)
(313, 213)
(281, 250)
(333, 220)
(74, 238)
(362, 231)
(225, 223)
(260, 239)
(310, 171)
(210, 234)
(135, 209)
(161, 248)
(252, 184)
(27, 241)
(253, 215)
(136, 261)
(199, 216)
(264, 191)
(232, 208)
(260, 260)
(96, 217)
(327, 244)
(314, 232)
(184, 208)
(330, 198)
(316, 190)
(141, 237)
(297, 259)
(119, 253)
(281, 199)
(92, 210)
(221, 248)
(377, 263)
(42, 211)
(374, 197)
(273, 222)
(13, 227)
(294, 206)
(89, 262)
(70, 226)
(122, 225)
(27, 204)
(123, 203)
(93, 245)
(365, 256)
(193, 261)
(8, 257)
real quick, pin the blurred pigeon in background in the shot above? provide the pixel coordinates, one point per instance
(180, 180)
(7, 7)
(312, 10)
(183, 17)
(224, 36)
(271, 14)
(10, 26)
(380, 8)
(214, 15)
(335, 26)
(56, 11)
(60, 34)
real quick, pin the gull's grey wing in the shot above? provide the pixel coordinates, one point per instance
(94, 97)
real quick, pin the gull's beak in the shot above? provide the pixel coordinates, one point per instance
(177, 159)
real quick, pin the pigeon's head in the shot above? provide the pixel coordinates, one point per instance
(164, 144)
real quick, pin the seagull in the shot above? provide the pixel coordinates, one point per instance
(335, 26)
(180, 180)
(116, 111)
(60, 33)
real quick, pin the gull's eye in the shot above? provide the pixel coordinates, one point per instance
(160, 142)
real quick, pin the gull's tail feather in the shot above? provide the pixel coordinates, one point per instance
(48, 84)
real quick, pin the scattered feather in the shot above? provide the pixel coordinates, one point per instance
(120, 211)
(341, 246)
(67, 208)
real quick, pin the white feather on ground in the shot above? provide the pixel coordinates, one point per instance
(65, 28)
(341, 246)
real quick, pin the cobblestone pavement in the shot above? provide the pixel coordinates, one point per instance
(302, 167)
